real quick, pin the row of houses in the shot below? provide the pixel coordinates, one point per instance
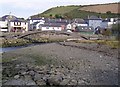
(10, 23)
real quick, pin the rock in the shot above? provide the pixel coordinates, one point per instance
(65, 82)
(73, 82)
(54, 80)
(23, 72)
(15, 82)
(81, 82)
(32, 73)
(45, 78)
(38, 77)
(41, 72)
(40, 82)
(30, 82)
(16, 76)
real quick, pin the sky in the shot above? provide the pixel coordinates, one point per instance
(26, 8)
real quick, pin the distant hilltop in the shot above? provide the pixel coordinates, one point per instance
(82, 11)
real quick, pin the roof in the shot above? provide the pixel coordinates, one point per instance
(78, 20)
(7, 16)
(93, 18)
(35, 19)
(51, 25)
(84, 29)
(56, 20)
(35, 23)
(16, 20)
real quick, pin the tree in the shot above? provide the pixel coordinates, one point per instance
(108, 12)
(51, 15)
(57, 16)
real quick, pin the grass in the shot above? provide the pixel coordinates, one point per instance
(14, 42)
(72, 12)
(59, 10)
(112, 43)
(5, 60)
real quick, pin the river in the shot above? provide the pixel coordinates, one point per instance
(6, 49)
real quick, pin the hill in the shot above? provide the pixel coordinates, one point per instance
(103, 8)
(78, 11)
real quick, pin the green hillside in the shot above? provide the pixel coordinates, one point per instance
(71, 12)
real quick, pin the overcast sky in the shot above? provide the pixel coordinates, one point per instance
(26, 8)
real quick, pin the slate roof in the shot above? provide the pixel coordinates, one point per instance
(35, 23)
(84, 29)
(6, 16)
(51, 25)
(16, 20)
(93, 18)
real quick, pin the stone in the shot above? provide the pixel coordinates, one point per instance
(73, 82)
(32, 73)
(55, 80)
(23, 72)
(65, 82)
(38, 77)
(16, 76)
(15, 82)
(45, 78)
(30, 82)
(40, 82)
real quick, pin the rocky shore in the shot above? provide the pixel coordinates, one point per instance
(64, 63)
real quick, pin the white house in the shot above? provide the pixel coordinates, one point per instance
(3, 26)
(34, 23)
(18, 26)
(49, 27)
(94, 21)
(107, 23)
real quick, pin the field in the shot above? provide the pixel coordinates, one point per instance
(79, 11)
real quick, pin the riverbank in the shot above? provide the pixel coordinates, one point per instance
(64, 63)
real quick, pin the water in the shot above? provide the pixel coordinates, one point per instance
(6, 49)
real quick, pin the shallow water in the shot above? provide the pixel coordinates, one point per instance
(6, 49)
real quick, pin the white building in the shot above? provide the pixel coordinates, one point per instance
(3, 26)
(53, 27)
(18, 26)
(94, 21)
(107, 23)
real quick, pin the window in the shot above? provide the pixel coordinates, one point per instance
(17, 23)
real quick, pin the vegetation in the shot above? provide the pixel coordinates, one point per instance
(116, 30)
(72, 12)
(112, 43)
